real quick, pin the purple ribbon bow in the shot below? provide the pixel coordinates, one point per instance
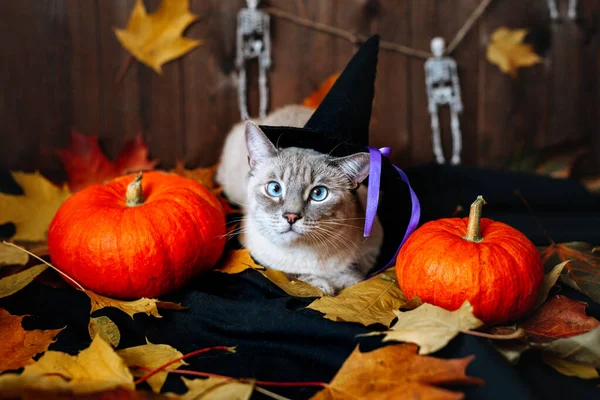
(373, 199)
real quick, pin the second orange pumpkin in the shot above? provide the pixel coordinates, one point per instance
(490, 264)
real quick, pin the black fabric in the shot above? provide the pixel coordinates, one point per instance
(278, 339)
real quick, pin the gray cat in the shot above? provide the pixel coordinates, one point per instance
(304, 213)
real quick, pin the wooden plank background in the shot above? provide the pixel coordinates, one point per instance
(60, 58)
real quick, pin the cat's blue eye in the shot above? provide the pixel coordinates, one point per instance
(274, 189)
(319, 193)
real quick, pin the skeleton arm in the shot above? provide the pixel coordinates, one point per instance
(456, 87)
(266, 56)
(239, 54)
(429, 88)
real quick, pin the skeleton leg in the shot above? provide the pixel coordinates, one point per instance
(553, 9)
(572, 9)
(263, 89)
(242, 93)
(456, 137)
(437, 141)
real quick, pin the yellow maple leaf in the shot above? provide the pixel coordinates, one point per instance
(33, 211)
(215, 388)
(507, 50)
(96, 369)
(151, 356)
(430, 327)
(238, 261)
(157, 38)
(373, 301)
(144, 305)
(204, 176)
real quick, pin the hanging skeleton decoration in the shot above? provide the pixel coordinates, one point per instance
(253, 41)
(572, 13)
(443, 88)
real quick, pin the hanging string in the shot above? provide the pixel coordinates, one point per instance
(389, 46)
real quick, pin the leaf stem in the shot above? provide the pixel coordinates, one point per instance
(535, 218)
(188, 355)
(123, 70)
(245, 380)
(47, 263)
(515, 335)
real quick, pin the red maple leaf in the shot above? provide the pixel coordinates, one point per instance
(87, 165)
(559, 317)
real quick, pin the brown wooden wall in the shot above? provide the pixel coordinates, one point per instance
(59, 59)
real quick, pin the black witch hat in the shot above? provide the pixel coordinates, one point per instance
(340, 127)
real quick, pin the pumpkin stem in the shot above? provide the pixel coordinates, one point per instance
(134, 192)
(473, 229)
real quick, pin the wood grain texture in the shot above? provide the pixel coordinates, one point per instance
(61, 61)
(121, 105)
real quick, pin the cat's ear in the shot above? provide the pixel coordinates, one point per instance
(258, 144)
(355, 166)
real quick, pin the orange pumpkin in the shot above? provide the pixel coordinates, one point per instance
(490, 264)
(123, 240)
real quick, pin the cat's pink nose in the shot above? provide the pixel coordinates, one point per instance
(291, 218)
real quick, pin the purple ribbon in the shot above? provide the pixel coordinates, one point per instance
(373, 199)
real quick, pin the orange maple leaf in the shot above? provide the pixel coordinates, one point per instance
(18, 346)
(397, 372)
(318, 95)
(206, 177)
(87, 165)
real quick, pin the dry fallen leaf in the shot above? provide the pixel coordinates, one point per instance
(217, 389)
(583, 269)
(18, 346)
(318, 95)
(507, 50)
(12, 256)
(157, 38)
(116, 394)
(239, 260)
(570, 368)
(431, 327)
(143, 305)
(592, 184)
(550, 280)
(11, 284)
(584, 348)
(96, 369)
(561, 165)
(397, 372)
(151, 356)
(293, 287)
(33, 211)
(87, 165)
(372, 301)
(559, 317)
(204, 176)
(106, 329)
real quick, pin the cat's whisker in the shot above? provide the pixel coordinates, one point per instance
(343, 219)
(335, 235)
(327, 239)
(341, 224)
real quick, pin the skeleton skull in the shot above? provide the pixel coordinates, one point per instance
(438, 46)
(252, 4)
